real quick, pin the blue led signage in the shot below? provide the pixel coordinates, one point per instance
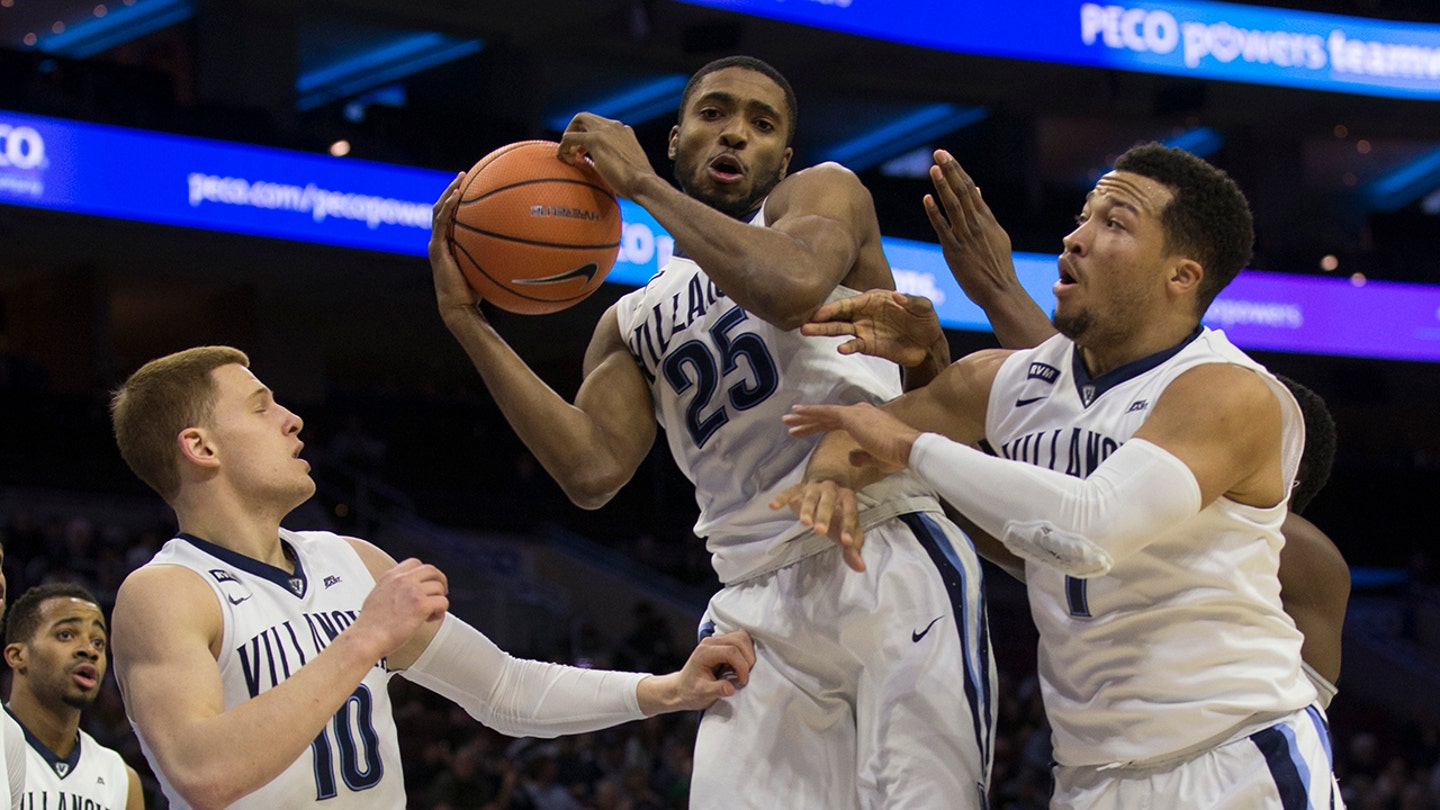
(1253, 44)
(191, 182)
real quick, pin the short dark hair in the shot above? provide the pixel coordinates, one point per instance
(1320, 440)
(23, 621)
(792, 106)
(1208, 219)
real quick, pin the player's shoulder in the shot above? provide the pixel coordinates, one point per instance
(828, 175)
(829, 182)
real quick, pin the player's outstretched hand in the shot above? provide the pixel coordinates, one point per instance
(405, 597)
(611, 146)
(831, 510)
(717, 667)
(453, 294)
(900, 328)
(884, 441)
(976, 248)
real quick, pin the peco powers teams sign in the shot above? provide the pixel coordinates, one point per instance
(1206, 40)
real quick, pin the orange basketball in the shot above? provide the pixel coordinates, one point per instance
(533, 234)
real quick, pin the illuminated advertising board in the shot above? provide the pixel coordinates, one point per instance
(1203, 40)
(215, 185)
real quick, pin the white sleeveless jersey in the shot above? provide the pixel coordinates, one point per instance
(93, 777)
(275, 622)
(721, 379)
(1184, 641)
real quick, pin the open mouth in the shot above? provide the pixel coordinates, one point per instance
(1067, 278)
(86, 676)
(727, 168)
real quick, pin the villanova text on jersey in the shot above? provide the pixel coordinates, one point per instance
(278, 652)
(650, 340)
(60, 801)
(1075, 451)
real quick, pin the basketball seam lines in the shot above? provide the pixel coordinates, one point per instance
(502, 284)
(537, 243)
(492, 192)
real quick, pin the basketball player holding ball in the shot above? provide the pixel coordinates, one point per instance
(872, 689)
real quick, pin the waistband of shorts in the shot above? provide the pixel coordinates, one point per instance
(1239, 731)
(803, 542)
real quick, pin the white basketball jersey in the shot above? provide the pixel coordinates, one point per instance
(275, 622)
(93, 777)
(1184, 641)
(721, 379)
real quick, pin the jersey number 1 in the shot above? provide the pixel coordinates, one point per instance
(360, 764)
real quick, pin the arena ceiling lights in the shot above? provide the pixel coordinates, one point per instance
(377, 63)
(120, 24)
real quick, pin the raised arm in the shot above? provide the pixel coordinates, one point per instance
(591, 448)
(978, 252)
(823, 229)
(166, 634)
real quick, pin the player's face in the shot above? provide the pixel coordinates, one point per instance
(1112, 269)
(66, 661)
(257, 440)
(729, 147)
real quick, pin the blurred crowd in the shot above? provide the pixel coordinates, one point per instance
(451, 761)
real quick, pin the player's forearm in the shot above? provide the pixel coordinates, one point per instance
(523, 698)
(1018, 322)
(562, 437)
(755, 267)
(1079, 526)
(216, 760)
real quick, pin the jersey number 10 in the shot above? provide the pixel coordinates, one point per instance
(359, 745)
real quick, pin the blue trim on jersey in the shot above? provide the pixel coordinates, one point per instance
(1277, 744)
(977, 657)
(53, 759)
(1323, 729)
(1099, 385)
(296, 584)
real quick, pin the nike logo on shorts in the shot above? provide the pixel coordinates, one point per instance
(916, 636)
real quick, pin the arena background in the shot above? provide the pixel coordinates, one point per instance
(409, 450)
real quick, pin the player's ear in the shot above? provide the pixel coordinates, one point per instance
(15, 656)
(196, 447)
(785, 161)
(674, 144)
(1185, 275)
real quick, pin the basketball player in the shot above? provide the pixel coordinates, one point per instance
(1314, 577)
(254, 659)
(12, 763)
(1144, 473)
(56, 645)
(874, 691)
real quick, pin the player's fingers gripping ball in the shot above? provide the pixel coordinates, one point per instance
(533, 234)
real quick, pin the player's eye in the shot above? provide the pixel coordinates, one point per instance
(764, 126)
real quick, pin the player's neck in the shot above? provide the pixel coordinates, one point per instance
(55, 727)
(254, 534)
(1102, 355)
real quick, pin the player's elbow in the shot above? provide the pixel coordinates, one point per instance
(592, 491)
(204, 791)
